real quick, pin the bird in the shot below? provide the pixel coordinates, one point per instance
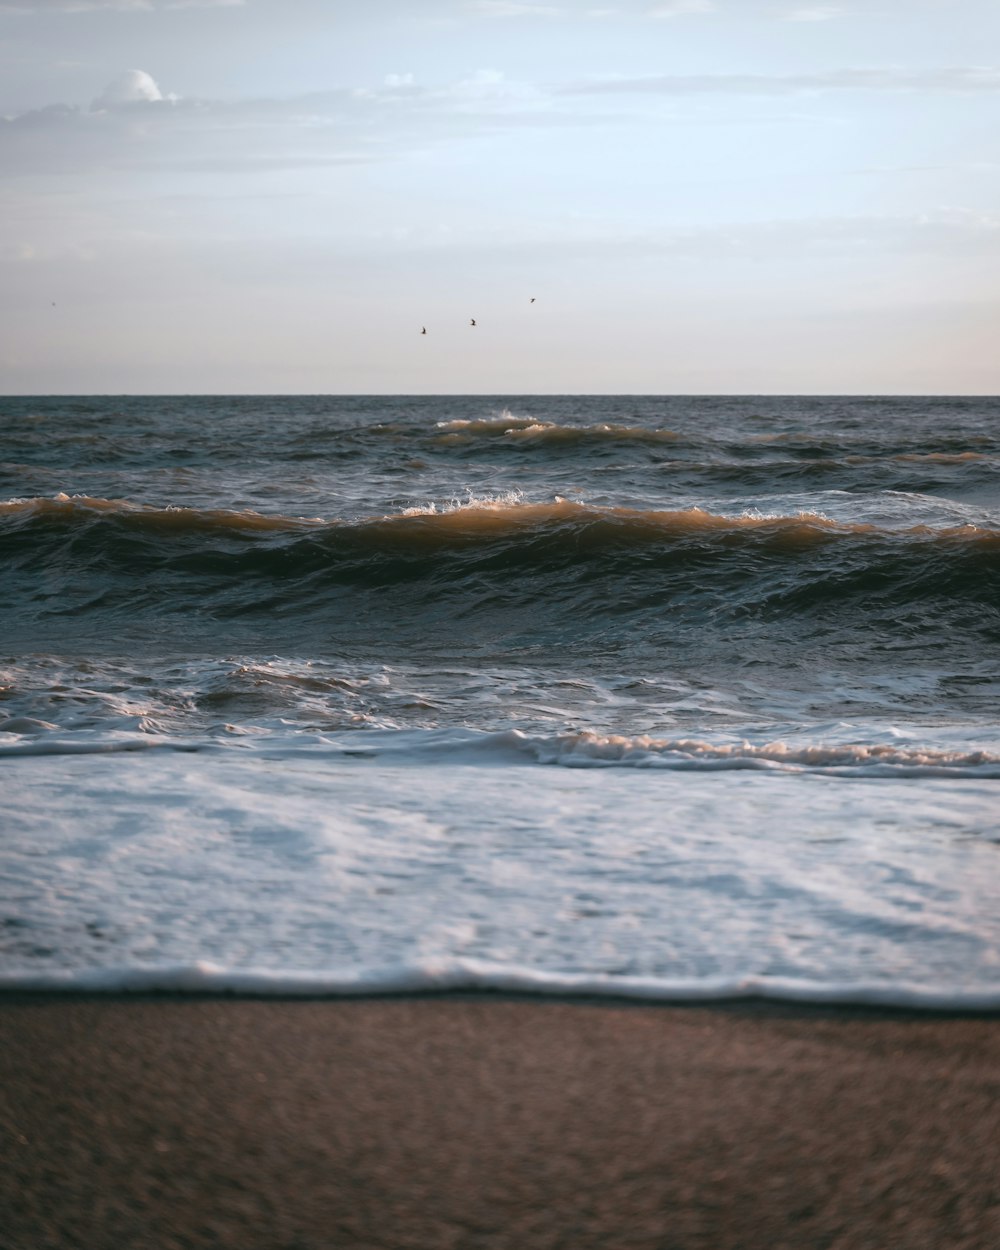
(423, 330)
(532, 300)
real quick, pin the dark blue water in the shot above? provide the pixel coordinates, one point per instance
(812, 555)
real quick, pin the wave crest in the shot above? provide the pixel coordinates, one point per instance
(559, 570)
(589, 749)
(507, 514)
(513, 429)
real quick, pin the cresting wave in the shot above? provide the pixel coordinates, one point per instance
(524, 430)
(585, 749)
(462, 522)
(458, 976)
(515, 573)
(588, 750)
(861, 447)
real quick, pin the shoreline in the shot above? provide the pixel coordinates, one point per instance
(737, 1004)
(161, 1121)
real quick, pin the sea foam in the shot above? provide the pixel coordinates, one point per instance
(469, 976)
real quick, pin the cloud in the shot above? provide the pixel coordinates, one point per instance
(679, 8)
(952, 79)
(818, 13)
(510, 8)
(949, 232)
(134, 125)
(90, 6)
(522, 8)
(133, 87)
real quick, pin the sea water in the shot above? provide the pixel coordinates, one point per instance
(660, 696)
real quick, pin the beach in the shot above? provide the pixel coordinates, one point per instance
(491, 1121)
(499, 625)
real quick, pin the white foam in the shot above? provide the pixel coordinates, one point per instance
(599, 750)
(472, 502)
(464, 976)
(583, 749)
(587, 749)
(317, 871)
(32, 742)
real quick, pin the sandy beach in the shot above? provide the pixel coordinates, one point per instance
(489, 1122)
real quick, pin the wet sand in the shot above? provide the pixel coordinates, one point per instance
(481, 1122)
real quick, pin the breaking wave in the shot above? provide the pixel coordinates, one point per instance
(502, 516)
(515, 567)
(583, 749)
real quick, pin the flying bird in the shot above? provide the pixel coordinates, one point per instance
(423, 330)
(532, 300)
(472, 321)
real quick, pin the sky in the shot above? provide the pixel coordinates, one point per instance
(700, 196)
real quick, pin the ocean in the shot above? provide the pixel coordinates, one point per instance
(654, 696)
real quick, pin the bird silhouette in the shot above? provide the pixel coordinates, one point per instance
(472, 321)
(424, 330)
(532, 300)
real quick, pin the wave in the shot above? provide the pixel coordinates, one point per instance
(465, 976)
(940, 457)
(923, 442)
(715, 454)
(501, 516)
(524, 430)
(589, 750)
(69, 510)
(514, 747)
(560, 562)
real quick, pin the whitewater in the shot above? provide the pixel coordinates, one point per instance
(657, 697)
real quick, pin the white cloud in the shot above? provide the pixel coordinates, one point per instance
(678, 8)
(135, 86)
(133, 125)
(818, 13)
